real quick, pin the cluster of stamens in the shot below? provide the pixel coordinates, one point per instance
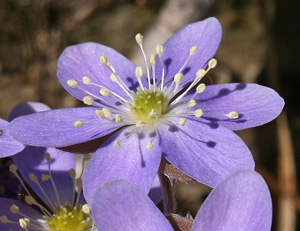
(71, 216)
(151, 104)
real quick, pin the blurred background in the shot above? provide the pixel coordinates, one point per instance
(260, 44)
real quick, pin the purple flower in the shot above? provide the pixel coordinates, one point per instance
(8, 145)
(240, 202)
(167, 112)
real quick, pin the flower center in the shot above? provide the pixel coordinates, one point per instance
(68, 218)
(149, 105)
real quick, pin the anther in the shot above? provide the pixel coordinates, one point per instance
(200, 73)
(139, 38)
(193, 50)
(48, 157)
(72, 173)
(192, 103)
(79, 182)
(99, 113)
(33, 178)
(24, 222)
(140, 124)
(159, 49)
(149, 145)
(233, 115)
(182, 121)
(103, 59)
(153, 59)
(72, 83)
(86, 80)
(201, 88)
(198, 113)
(117, 144)
(178, 78)
(212, 63)
(45, 177)
(118, 118)
(153, 113)
(105, 92)
(29, 200)
(78, 124)
(3, 219)
(13, 168)
(113, 78)
(14, 209)
(107, 112)
(88, 100)
(139, 72)
(86, 209)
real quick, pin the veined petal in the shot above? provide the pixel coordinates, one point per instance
(32, 160)
(8, 145)
(240, 202)
(55, 128)
(23, 208)
(206, 154)
(83, 59)
(121, 205)
(255, 104)
(205, 34)
(131, 161)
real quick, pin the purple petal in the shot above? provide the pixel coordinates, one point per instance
(155, 192)
(206, 154)
(205, 34)
(84, 60)
(255, 104)
(131, 161)
(23, 208)
(121, 205)
(8, 145)
(32, 160)
(240, 202)
(55, 128)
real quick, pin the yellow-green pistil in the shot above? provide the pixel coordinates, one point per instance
(149, 105)
(68, 218)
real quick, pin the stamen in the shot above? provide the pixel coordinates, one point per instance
(14, 209)
(99, 113)
(182, 121)
(78, 124)
(198, 113)
(233, 115)
(118, 118)
(178, 78)
(139, 73)
(139, 40)
(117, 144)
(72, 83)
(88, 100)
(192, 103)
(86, 209)
(86, 80)
(107, 112)
(103, 60)
(160, 50)
(153, 63)
(105, 92)
(212, 63)
(193, 50)
(24, 223)
(140, 123)
(3, 219)
(149, 145)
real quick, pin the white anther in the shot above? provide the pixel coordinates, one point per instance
(86, 80)
(178, 78)
(78, 124)
(114, 78)
(33, 178)
(153, 113)
(182, 121)
(86, 209)
(72, 83)
(88, 100)
(192, 103)
(139, 38)
(200, 73)
(201, 88)
(103, 59)
(139, 72)
(149, 145)
(99, 113)
(3, 219)
(107, 112)
(118, 118)
(212, 63)
(13, 168)
(117, 144)
(140, 124)
(29, 200)
(153, 59)
(14, 209)
(159, 49)
(105, 92)
(198, 113)
(24, 222)
(193, 50)
(45, 177)
(233, 115)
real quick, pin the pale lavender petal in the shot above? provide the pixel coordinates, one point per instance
(206, 154)
(83, 59)
(55, 128)
(155, 192)
(255, 104)
(8, 145)
(205, 34)
(23, 208)
(121, 205)
(240, 202)
(131, 161)
(32, 160)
